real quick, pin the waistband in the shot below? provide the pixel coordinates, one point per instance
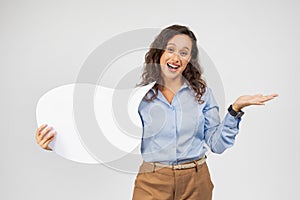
(188, 165)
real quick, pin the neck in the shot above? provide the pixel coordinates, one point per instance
(173, 84)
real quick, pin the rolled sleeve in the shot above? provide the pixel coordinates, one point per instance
(219, 136)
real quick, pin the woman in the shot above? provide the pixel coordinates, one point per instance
(179, 116)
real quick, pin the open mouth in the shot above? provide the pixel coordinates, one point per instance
(171, 66)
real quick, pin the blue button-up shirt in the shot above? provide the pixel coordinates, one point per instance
(176, 132)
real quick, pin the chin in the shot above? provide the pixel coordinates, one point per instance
(172, 75)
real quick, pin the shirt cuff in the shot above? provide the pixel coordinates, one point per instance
(231, 121)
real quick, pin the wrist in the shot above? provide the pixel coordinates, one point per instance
(236, 108)
(236, 114)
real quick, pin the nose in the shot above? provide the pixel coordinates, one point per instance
(176, 57)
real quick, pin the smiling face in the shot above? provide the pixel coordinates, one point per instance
(176, 56)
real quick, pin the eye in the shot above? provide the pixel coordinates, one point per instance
(183, 53)
(170, 49)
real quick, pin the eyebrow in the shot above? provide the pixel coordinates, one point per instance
(175, 45)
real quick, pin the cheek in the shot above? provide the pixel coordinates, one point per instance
(185, 62)
(161, 60)
(164, 57)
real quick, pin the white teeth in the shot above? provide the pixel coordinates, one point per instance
(172, 66)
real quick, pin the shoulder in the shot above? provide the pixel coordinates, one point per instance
(146, 87)
(207, 94)
(141, 90)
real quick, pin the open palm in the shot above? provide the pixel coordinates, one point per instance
(247, 100)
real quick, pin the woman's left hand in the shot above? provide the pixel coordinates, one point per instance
(248, 100)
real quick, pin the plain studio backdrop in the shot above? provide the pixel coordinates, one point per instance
(253, 44)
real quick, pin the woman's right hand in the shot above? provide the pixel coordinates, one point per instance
(44, 135)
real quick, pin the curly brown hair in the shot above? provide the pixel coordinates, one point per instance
(152, 70)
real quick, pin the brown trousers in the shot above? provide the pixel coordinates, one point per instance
(168, 184)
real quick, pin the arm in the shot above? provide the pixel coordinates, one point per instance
(221, 135)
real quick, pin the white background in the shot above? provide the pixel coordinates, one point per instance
(254, 45)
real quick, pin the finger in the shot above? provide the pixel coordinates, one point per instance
(50, 136)
(267, 98)
(258, 103)
(271, 96)
(46, 144)
(258, 95)
(45, 132)
(38, 131)
(41, 132)
(41, 141)
(38, 135)
(274, 95)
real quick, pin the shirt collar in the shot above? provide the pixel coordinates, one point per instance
(184, 85)
(160, 95)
